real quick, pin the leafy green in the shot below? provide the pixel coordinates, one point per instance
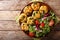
(53, 16)
(46, 29)
(45, 21)
(40, 20)
(36, 38)
(39, 34)
(42, 15)
(31, 28)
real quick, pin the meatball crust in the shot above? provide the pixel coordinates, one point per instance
(22, 17)
(43, 9)
(30, 20)
(24, 26)
(27, 10)
(36, 14)
(35, 6)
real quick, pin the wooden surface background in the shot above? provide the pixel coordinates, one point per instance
(9, 9)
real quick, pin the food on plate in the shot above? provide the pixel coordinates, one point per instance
(36, 14)
(30, 20)
(51, 23)
(22, 17)
(27, 10)
(42, 24)
(24, 26)
(37, 19)
(31, 34)
(35, 6)
(43, 9)
(37, 22)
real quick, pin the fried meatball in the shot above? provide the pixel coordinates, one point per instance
(24, 26)
(22, 17)
(35, 6)
(30, 20)
(36, 14)
(43, 9)
(27, 10)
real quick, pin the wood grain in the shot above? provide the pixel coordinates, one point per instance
(12, 4)
(9, 26)
(8, 15)
(55, 4)
(13, 35)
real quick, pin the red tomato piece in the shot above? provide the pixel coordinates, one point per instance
(36, 22)
(42, 24)
(31, 34)
(51, 23)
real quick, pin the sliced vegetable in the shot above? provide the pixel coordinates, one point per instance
(42, 24)
(31, 34)
(37, 26)
(31, 29)
(47, 14)
(36, 29)
(46, 29)
(38, 34)
(36, 22)
(51, 23)
(44, 18)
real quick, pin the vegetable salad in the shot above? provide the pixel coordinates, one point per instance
(37, 19)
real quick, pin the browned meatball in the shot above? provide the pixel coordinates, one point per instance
(23, 17)
(36, 14)
(24, 26)
(27, 10)
(35, 6)
(30, 20)
(43, 9)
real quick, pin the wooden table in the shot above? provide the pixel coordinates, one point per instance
(9, 9)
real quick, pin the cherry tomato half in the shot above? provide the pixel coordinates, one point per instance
(42, 24)
(36, 22)
(51, 23)
(31, 34)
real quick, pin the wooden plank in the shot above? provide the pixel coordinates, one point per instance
(55, 4)
(13, 35)
(12, 4)
(57, 12)
(8, 15)
(9, 25)
(51, 0)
